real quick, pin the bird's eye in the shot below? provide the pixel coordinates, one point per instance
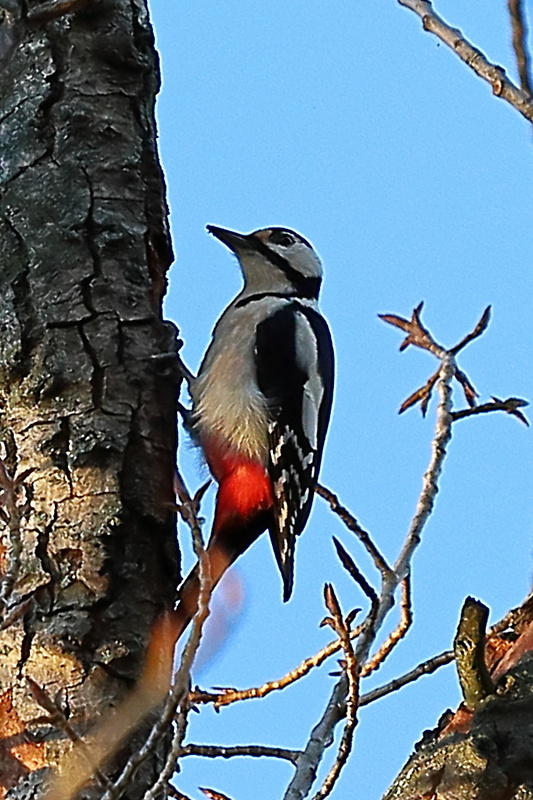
(282, 238)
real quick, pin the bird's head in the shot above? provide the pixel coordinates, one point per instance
(274, 259)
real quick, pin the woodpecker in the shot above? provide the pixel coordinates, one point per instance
(261, 403)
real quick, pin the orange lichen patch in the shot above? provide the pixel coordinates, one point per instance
(522, 645)
(459, 723)
(18, 755)
(495, 649)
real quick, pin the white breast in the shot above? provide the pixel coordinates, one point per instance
(226, 398)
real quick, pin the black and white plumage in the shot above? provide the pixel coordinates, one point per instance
(264, 389)
(294, 361)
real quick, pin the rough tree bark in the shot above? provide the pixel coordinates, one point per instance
(484, 752)
(87, 375)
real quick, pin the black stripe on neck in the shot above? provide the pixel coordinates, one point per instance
(312, 294)
(307, 287)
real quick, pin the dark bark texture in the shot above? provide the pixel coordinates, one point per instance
(87, 372)
(484, 753)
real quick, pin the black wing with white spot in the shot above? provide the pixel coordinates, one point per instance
(294, 359)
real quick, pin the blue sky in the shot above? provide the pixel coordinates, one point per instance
(348, 123)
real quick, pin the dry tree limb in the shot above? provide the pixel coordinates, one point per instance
(405, 622)
(174, 793)
(419, 336)
(353, 570)
(253, 750)
(425, 668)
(519, 30)
(510, 406)
(213, 795)
(472, 57)
(227, 696)
(479, 329)
(322, 734)
(441, 439)
(352, 672)
(353, 526)
(321, 737)
(469, 649)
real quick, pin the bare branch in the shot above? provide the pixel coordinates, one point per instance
(519, 29)
(353, 526)
(406, 619)
(480, 328)
(177, 795)
(253, 750)
(321, 738)
(425, 668)
(443, 434)
(510, 406)
(350, 566)
(229, 696)
(419, 336)
(352, 703)
(322, 735)
(213, 795)
(182, 680)
(472, 57)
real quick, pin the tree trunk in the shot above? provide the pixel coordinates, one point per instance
(87, 373)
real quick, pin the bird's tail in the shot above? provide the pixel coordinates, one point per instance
(227, 543)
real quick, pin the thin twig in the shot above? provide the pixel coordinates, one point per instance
(425, 668)
(353, 526)
(173, 792)
(480, 328)
(352, 701)
(321, 737)
(253, 750)
(56, 718)
(519, 29)
(406, 619)
(229, 696)
(212, 794)
(419, 336)
(472, 57)
(353, 570)
(510, 406)
(443, 435)
(182, 680)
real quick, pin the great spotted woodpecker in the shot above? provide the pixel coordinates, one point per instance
(262, 402)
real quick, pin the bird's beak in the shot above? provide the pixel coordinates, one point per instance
(235, 241)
